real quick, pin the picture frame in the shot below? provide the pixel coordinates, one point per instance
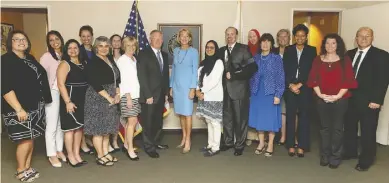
(5, 29)
(170, 34)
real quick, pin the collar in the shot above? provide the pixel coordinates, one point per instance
(364, 50)
(155, 50)
(232, 46)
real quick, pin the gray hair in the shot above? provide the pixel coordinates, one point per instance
(365, 28)
(100, 40)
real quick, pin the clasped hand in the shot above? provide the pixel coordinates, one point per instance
(329, 98)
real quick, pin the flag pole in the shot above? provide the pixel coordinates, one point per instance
(136, 13)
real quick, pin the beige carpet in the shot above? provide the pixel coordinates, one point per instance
(174, 167)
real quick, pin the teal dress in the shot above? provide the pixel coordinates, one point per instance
(183, 78)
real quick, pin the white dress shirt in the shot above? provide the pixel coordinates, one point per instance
(156, 54)
(226, 53)
(128, 76)
(299, 53)
(362, 57)
(212, 84)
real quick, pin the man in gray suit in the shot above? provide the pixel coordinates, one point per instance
(236, 59)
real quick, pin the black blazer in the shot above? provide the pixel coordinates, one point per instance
(291, 64)
(85, 55)
(28, 80)
(237, 87)
(372, 77)
(99, 73)
(152, 81)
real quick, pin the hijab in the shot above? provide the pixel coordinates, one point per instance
(254, 47)
(208, 63)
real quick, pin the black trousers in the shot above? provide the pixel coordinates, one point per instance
(152, 122)
(235, 121)
(301, 103)
(368, 119)
(332, 116)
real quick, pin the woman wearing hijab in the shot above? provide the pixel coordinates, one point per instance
(254, 48)
(210, 94)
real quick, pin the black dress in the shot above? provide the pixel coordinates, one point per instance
(28, 79)
(76, 86)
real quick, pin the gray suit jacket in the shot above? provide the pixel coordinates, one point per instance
(238, 86)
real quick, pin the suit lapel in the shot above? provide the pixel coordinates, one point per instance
(365, 60)
(303, 55)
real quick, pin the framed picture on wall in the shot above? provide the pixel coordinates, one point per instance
(170, 34)
(5, 29)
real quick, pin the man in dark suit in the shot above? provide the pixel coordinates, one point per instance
(298, 60)
(153, 75)
(236, 92)
(370, 66)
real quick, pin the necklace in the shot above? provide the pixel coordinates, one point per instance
(182, 60)
(264, 57)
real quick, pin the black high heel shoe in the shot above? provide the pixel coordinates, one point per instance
(75, 165)
(131, 158)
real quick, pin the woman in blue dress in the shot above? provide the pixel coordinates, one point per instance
(267, 86)
(183, 82)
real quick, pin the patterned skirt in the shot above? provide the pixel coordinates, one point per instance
(125, 111)
(211, 110)
(32, 128)
(100, 118)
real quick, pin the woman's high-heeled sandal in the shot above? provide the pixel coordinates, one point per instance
(27, 176)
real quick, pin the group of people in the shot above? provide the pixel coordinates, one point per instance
(79, 92)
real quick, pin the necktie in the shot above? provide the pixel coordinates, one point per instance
(230, 49)
(355, 66)
(160, 60)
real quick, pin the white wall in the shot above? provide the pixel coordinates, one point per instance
(108, 18)
(375, 16)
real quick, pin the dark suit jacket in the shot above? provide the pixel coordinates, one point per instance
(152, 81)
(291, 64)
(372, 77)
(237, 87)
(85, 55)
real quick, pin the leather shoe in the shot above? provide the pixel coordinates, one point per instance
(225, 148)
(361, 168)
(323, 163)
(238, 152)
(162, 146)
(333, 166)
(153, 154)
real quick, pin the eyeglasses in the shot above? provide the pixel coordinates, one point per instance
(20, 40)
(209, 47)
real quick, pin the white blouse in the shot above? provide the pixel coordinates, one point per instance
(129, 82)
(212, 84)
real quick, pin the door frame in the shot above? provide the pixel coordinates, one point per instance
(332, 10)
(29, 6)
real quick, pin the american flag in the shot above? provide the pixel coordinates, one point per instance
(134, 27)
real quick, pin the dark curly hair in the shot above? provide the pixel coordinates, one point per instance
(340, 46)
(300, 27)
(81, 57)
(51, 49)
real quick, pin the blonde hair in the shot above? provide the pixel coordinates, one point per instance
(130, 39)
(189, 34)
